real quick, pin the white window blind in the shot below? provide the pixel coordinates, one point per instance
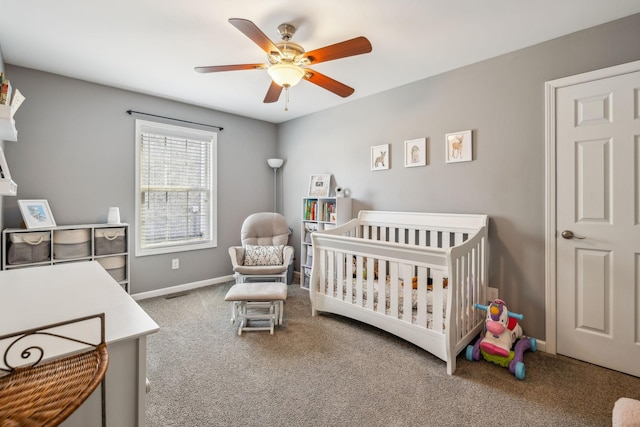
(176, 192)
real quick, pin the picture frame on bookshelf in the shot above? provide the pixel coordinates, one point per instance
(459, 146)
(380, 157)
(319, 185)
(36, 214)
(415, 152)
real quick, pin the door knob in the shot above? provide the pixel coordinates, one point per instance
(568, 234)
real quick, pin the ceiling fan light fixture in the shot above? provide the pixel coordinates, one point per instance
(286, 74)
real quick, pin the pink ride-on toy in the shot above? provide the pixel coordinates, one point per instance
(496, 345)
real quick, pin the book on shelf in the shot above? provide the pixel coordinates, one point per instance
(5, 92)
(310, 210)
(328, 208)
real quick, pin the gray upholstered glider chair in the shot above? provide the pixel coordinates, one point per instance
(264, 253)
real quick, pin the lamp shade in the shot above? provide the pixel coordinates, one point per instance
(286, 74)
(275, 163)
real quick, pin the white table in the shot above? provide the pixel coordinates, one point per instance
(38, 296)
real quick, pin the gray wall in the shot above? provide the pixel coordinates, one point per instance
(502, 101)
(76, 149)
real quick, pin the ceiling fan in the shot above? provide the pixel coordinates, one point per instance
(288, 62)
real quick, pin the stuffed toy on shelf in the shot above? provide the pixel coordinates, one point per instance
(503, 341)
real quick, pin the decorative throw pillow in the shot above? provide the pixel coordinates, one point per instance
(263, 255)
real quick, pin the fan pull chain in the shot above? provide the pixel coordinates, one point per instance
(286, 99)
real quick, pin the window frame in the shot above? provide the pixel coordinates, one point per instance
(144, 126)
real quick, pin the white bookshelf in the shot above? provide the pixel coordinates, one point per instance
(319, 213)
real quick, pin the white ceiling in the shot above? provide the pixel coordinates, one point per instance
(152, 46)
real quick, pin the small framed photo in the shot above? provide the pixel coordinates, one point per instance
(459, 146)
(415, 152)
(36, 213)
(380, 157)
(319, 185)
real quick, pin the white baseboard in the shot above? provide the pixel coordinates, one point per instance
(541, 345)
(182, 288)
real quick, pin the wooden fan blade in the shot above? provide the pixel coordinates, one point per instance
(218, 68)
(273, 94)
(328, 83)
(352, 47)
(250, 30)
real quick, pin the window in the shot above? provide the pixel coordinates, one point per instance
(175, 188)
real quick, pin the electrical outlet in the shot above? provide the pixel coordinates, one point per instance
(492, 294)
(175, 263)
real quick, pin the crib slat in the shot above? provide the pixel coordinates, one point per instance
(438, 299)
(319, 265)
(421, 318)
(412, 236)
(340, 274)
(401, 235)
(407, 275)
(349, 275)
(433, 238)
(380, 286)
(359, 265)
(370, 279)
(391, 234)
(422, 238)
(393, 290)
(462, 300)
(366, 234)
(446, 240)
(331, 278)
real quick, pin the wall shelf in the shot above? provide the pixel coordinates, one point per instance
(8, 131)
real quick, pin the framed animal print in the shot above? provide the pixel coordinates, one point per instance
(380, 157)
(459, 146)
(415, 152)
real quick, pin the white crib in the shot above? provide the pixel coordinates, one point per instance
(388, 269)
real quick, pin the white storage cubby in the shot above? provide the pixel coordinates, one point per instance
(106, 243)
(319, 213)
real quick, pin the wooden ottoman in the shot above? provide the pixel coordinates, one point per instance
(257, 301)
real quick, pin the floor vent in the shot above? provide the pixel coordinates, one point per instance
(176, 295)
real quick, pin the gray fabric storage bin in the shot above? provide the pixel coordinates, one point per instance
(115, 266)
(27, 248)
(110, 241)
(71, 243)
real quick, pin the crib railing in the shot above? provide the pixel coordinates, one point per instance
(379, 276)
(468, 286)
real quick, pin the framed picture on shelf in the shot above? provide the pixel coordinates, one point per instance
(380, 157)
(36, 213)
(459, 146)
(415, 152)
(319, 185)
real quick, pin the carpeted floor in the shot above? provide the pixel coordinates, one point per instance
(332, 371)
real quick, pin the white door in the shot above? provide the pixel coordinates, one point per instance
(598, 201)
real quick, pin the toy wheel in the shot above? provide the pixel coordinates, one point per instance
(534, 344)
(520, 371)
(470, 353)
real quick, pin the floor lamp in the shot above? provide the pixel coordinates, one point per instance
(275, 165)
